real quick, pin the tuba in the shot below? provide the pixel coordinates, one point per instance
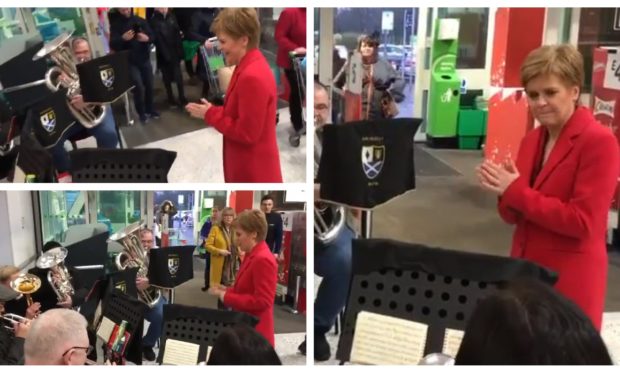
(329, 219)
(134, 255)
(64, 75)
(58, 275)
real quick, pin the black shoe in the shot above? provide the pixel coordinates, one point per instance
(148, 354)
(154, 115)
(294, 139)
(322, 351)
(173, 103)
(204, 289)
(144, 119)
(302, 347)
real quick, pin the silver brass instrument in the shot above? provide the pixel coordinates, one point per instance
(58, 275)
(10, 320)
(64, 75)
(329, 219)
(134, 255)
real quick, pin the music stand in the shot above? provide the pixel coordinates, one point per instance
(198, 326)
(89, 256)
(121, 166)
(430, 285)
(19, 71)
(170, 267)
(49, 119)
(105, 79)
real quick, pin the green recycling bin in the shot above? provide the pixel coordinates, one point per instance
(444, 93)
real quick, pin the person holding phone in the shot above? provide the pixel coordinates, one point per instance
(130, 32)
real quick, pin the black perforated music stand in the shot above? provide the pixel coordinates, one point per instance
(198, 326)
(434, 286)
(121, 165)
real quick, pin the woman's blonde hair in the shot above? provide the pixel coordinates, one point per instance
(6, 272)
(564, 61)
(238, 22)
(253, 221)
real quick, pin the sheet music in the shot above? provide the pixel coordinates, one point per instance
(610, 332)
(385, 340)
(452, 341)
(209, 348)
(105, 329)
(181, 353)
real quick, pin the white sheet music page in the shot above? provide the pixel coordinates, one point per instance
(452, 341)
(105, 329)
(386, 340)
(180, 353)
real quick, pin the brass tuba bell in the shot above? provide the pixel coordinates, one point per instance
(134, 255)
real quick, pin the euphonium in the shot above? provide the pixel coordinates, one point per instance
(64, 75)
(58, 275)
(134, 255)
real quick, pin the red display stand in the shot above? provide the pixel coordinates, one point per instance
(605, 97)
(518, 31)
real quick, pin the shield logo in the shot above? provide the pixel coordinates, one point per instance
(173, 265)
(122, 286)
(48, 120)
(373, 158)
(107, 77)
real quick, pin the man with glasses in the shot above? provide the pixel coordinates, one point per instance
(154, 315)
(57, 337)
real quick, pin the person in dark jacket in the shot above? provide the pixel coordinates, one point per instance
(130, 32)
(200, 31)
(274, 225)
(12, 341)
(184, 20)
(169, 52)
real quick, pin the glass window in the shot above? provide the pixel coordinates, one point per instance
(596, 28)
(472, 35)
(59, 210)
(117, 209)
(181, 225)
(10, 24)
(51, 22)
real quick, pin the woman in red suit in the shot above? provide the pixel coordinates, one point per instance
(248, 118)
(254, 290)
(560, 190)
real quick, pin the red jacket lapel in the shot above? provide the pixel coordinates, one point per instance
(246, 61)
(573, 128)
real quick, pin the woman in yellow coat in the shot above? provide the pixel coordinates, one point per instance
(221, 246)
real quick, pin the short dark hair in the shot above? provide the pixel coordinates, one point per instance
(50, 245)
(266, 197)
(527, 322)
(242, 345)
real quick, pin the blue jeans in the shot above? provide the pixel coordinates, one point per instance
(156, 317)
(104, 133)
(334, 266)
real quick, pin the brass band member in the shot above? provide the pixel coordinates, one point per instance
(17, 305)
(11, 340)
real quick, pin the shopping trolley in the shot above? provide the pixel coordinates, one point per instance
(298, 62)
(214, 61)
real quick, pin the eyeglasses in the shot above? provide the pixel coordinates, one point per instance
(88, 349)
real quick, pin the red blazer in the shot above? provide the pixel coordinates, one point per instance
(290, 34)
(562, 218)
(254, 291)
(248, 122)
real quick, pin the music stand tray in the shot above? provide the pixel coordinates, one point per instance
(434, 286)
(198, 325)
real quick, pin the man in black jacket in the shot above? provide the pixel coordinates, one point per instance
(169, 52)
(274, 225)
(200, 30)
(130, 32)
(11, 341)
